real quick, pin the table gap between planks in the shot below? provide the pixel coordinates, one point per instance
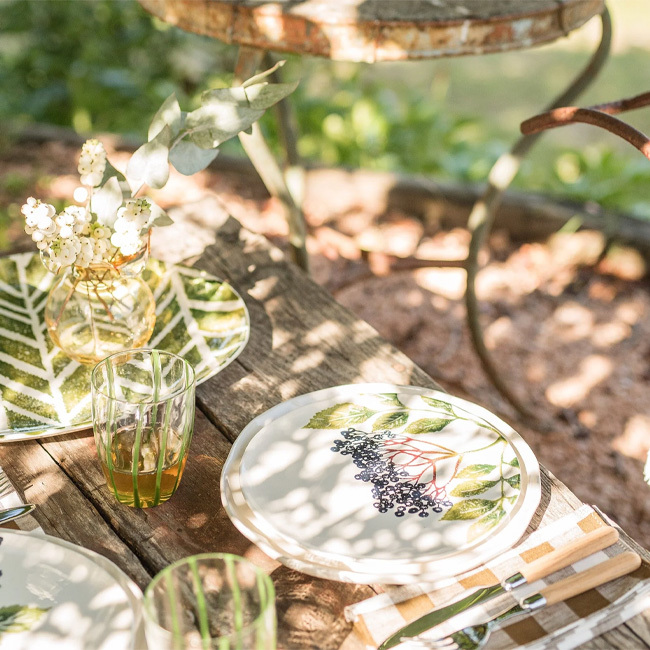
(301, 340)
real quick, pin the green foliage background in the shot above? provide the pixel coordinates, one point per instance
(106, 66)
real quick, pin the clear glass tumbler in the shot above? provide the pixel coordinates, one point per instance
(143, 419)
(213, 601)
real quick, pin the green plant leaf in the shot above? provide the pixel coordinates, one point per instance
(469, 509)
(169, 114)
(19, 618)
(215, 123)
(472, 488)
(159, 217)
(514, 481)
(391, 421)
(150, 163)
(428, 425)
(106, 201)
(262, 76)
(474, 471)
(265, 95)
(438, 403)
(189, 159)
(339, 416)
(484, 524)
(390, 399)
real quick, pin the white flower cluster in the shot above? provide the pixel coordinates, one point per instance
(92, 163)
(131, 220)
(75, 236)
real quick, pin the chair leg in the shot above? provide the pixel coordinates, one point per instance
(483, 213)
(267, 166)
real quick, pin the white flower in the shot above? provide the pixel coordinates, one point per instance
(86, 253)
(136, 212)
(34, 210)
(92, 163)
(64, 251)
(128, 241)
(101, 232)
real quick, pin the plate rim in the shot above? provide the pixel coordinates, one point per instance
(402, 571)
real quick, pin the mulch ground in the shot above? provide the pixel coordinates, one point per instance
(568, 326)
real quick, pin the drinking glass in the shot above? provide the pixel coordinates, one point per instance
(143, 418)
(213, 601)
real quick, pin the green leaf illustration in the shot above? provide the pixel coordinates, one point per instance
(391, 421)
(390, 399)
(472, 488)
(474, 471)
(197, 316)
(514, 481)
(19, 618)
(484, 524)
(469, 509)
(339, 416)
(428, 425)
(514, 462)
(438, 403)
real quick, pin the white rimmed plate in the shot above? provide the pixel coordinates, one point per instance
(381, 483)
(52, 596)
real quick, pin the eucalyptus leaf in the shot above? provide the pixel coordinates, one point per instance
(236, 95)
(428, 425)
(390, 421)
(485, 524)
(110, 171)
(265, 95)
(474, 471)
(340, 416)
(150, 163)
(213, 124)
(189, 159)
(169, 114)
(472, 488)
(469, 509)
(106, 201)
(159, 217)
(262, 76)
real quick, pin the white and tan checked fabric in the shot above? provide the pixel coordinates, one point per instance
(564, 626)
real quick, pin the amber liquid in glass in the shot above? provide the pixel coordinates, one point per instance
(120, 477)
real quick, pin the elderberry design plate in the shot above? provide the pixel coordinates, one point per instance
(381, 483)
(44, 392)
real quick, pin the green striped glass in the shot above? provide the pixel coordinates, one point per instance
(143, 419)
(214, 601)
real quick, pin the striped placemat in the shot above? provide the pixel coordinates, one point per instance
(564, 626)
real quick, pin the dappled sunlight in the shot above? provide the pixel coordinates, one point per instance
(571, 321)
(591, 371)
(449, 283)
(635, 439)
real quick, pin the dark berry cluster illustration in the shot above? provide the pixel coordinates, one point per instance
(393, 485)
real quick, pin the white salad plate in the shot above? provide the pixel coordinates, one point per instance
(54, 595)
(380, 483)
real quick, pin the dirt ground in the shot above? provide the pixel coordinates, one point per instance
(568, 327)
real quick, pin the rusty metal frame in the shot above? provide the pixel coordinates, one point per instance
(482, 216)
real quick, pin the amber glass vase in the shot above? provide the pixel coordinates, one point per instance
(105, 308)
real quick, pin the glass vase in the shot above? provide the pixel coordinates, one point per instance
(105, 308)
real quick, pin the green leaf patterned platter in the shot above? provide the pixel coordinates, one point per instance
(381, 483)
(46, 393)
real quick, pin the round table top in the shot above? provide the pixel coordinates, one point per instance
(379, 30)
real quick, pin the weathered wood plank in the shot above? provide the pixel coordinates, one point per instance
(63, 510)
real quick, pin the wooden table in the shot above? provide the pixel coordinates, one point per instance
(301, 340)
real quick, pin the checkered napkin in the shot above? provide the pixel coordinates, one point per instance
(565, 625)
